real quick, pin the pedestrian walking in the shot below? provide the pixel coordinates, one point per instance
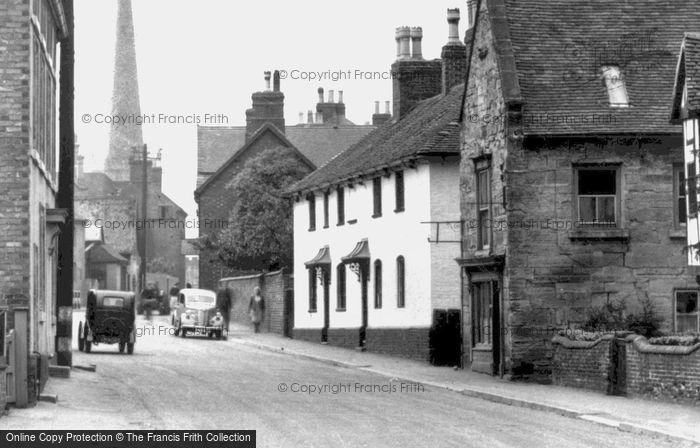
(256, 308)
(223, 303)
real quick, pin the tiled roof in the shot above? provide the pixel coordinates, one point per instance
(559, 48)
(430, 128)
(217, 144)
(95, 185)
(104, 253)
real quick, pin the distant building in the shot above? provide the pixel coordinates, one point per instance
(571, 174)
(376, 229)
(29, 220)
(222, 151)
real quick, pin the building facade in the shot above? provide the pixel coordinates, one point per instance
(570, 172)
(376, 229)
(223, 150)
(29, 222)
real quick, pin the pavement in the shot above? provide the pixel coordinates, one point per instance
(674, 422)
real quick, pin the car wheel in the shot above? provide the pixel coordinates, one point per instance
(121, 347)
(81, 340)
(130, 348)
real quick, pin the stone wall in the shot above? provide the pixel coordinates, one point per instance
(344, 337)
(273, 287)
(584, 364)
(662, 371)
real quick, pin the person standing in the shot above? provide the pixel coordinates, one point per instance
(256, 309)
(223, 303)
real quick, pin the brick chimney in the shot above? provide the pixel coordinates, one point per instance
(414, 78)
(454, 54)
(378, 118)
(155, 173)
(333, 113)
(268, 107)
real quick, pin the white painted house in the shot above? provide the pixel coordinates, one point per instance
(686, 110)
(376, 229)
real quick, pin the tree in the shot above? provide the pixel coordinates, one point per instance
(260, 227)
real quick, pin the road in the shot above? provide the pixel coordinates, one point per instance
(199, 383)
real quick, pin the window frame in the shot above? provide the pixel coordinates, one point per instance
(479, 332)
(377, 197)
(678, 171)
(340, 203)
(675, 307)
(576, 205)
(313, 291)
(378, 287)
(400, 282)
(399, 192)
(614, 79)
(311, 203)
(326, 201)
(483, 166)
(341, 288)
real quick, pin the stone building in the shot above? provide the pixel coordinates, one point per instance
(223, 150)
(29, 220)
(376, 229)
(571, 175)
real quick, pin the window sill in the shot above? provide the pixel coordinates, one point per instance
(352, 221)
(610, 234)
(678, 234)
(340, 310)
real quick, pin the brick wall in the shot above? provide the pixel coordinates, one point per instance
(344, 337)
(14, 141)
(584, 364)
(413, 343)
(307, 334)
(273, 287)
(413, 81)
(667, 372)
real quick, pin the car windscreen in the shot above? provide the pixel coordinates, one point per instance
(113, 302)
(200, 300)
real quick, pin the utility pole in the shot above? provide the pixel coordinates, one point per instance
(64, 199)
(144, 216)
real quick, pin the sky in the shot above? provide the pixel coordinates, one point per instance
(208, 56)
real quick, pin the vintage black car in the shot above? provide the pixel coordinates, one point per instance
(109, 319)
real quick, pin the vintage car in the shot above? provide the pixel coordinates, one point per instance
(109, 319)
(197, 313)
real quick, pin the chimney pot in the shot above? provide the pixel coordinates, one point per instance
(320, 94)
(319, 118)
(387, 110)
(310, 117)
(403, 38)
(471, 13)
(340, 96)
(330, 96)
(376, 107)
(276, 81)
(267, 80)
(416, 38)
(453, 27)
(301, 117)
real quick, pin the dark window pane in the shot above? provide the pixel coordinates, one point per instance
(597, 181)
(692, 189)
(606, 209)
(484, 230)
(400, 282)
(312, 289)
(377, 190)
(377, 284)
(483, 189)
(399, 191)
(682, 215)
(686, 302)
(341, 286)
(312, 212)
(325, 208)
(341, 205)
(681, 183)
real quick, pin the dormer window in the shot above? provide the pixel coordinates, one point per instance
(615, 84)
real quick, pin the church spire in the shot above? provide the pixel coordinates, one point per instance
(125, 98)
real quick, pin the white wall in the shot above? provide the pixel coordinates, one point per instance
(692, 128)
(389, 236)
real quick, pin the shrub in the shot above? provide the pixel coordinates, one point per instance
(608, 317)
(646, 322)
(676, 339)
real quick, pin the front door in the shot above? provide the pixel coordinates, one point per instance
(364, 270)
(326, 306)
(486, 325)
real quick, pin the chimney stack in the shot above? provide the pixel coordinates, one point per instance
(416, 38)
(340, 96)
(268, 107)
(331, 113)
(414, 78)
(319, 118)
(387, 110)
(403, 37)
(301, 117)
(310, 117)
(454, 54)
(471, 13)
(330, 96)
(320, 94)
(379, 119)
